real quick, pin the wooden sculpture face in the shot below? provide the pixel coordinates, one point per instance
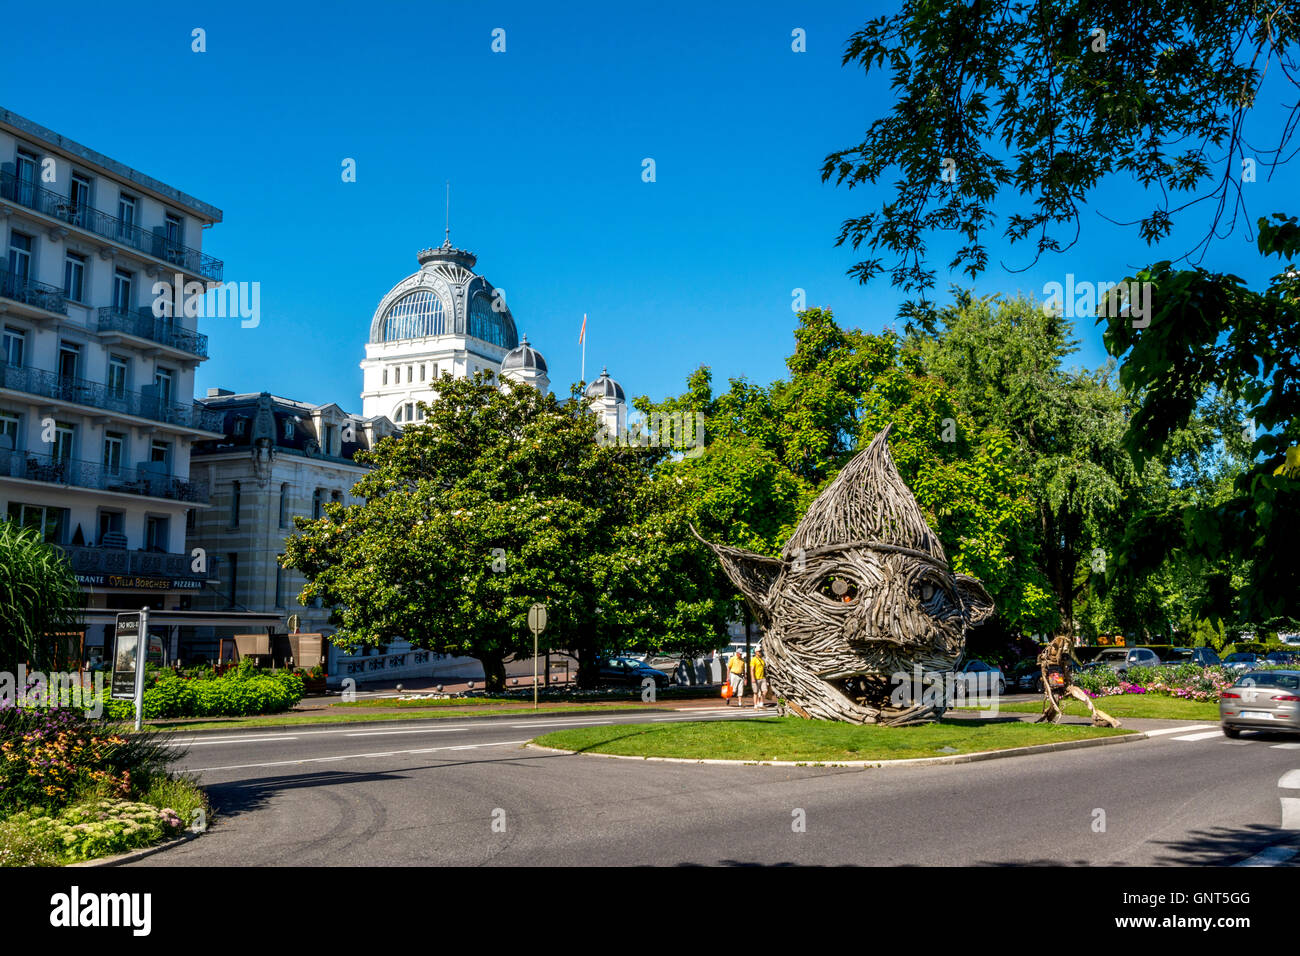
(862, 597)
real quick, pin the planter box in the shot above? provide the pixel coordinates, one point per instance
(313, 686)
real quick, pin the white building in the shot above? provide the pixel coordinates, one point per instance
(97, 415)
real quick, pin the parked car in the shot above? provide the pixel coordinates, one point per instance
(630, 672)
(1261, 700)
(980, 678)
(1204, 656)
(1242, 660)
(1026, 676)
(1120, 659)
(1281, 658)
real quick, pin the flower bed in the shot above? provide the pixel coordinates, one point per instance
(1186, 681)
(88, 830)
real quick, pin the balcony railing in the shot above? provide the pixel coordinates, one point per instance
(145, 480)
(30, 292)
(143, 404)
(148, 326)
(82, 216)
(88, 560)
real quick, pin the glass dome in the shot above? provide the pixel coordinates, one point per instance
(489, 325)
(414, 316)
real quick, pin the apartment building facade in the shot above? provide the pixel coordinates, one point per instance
(97, 416)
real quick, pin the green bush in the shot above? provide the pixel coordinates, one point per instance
(93, 829)
(241, 692)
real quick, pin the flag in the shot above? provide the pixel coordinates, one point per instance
(583, 334)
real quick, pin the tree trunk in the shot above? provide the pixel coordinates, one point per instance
(494, 672)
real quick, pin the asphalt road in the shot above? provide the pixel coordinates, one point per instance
(467, 792)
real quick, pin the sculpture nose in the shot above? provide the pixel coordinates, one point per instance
(876, 621)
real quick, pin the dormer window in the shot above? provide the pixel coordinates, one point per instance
(288, 429)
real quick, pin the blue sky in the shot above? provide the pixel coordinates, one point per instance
(543, 145)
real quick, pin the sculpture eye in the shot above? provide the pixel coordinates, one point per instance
(928, 589)
(835, 587)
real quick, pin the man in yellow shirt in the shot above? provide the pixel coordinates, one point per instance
(736, 671)
(758, 673)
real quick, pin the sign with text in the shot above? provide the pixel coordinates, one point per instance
(126, 653)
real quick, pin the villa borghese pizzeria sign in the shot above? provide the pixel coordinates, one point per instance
(136, 582)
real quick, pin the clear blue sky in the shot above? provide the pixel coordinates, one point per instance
(543, 146)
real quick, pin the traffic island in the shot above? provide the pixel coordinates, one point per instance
(793, 740)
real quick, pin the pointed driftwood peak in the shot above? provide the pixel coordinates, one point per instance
(867, 502)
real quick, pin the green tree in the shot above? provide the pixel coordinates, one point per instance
(39, 598)
(503, 498)
(1023, 107)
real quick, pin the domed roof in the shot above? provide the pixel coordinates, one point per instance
(446, 297)
(605, 387)
(523, 358)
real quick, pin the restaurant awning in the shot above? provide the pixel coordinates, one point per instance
(98, 615)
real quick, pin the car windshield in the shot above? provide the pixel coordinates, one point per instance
(1270, 679)
(1240, 657)
(1112, 655)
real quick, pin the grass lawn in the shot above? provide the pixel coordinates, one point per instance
(335, 716)
(1129, 705)
(792, 738)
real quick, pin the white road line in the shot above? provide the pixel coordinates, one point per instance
(384, 753)
(261, 738)
(1176, 730)
(1290, 780)
(1273, 856)
(418, 730)
(566, 723)
(1204, 736)
(228, 740)
(1285, 747)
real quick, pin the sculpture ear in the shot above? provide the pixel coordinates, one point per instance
(976, 601)
(753, 574)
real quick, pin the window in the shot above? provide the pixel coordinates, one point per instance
(385, 376)
(284, 505)
(191, 520)
(79, 200)
(279, 582)
(69, 359)
(422, 369)
(155, 532)
(173, 250)
(160, 453)
(125, 215)
(435, 370)
(20, 256)
(331, 439)
(122, 282)
(63, 435)
(114, 442)
(111, 522)
(162, 377)
(14, 342)
(8, 431)
(25, 178)
(116, 383)
(52, 523)
(336, 497)
(317, 502)
(232, 562)
(288, 429)
(74, 276)
(234, 504)
(410, 374)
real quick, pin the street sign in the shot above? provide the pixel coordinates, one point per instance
(536, 624)
(129, 631)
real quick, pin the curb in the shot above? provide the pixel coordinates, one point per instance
(132, 855)
(865, 764)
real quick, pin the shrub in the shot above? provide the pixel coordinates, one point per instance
(95, 828)
(241, 692)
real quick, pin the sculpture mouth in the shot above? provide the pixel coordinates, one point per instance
(867, 689)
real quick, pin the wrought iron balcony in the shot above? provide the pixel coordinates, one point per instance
(146, 325)
(104, 560)
(144, 404)
(30, 292)
(82, 216)
(145, 481)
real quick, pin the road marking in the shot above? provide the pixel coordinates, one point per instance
(228, 740)
(1238, 743)
(1286, 747)
(1272, 856)
(384, 753)
(1290, 780)
(418, 730)
(1176, 730)
(565, 723)
(1204, 736)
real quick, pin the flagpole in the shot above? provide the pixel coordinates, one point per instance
(584, 347)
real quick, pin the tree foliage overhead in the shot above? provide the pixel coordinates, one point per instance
(1026, 97)
(503, 498)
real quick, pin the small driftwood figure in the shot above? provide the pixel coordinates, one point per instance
(1058, 683)
(861, 598)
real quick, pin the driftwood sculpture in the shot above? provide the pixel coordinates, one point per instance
(861, 596)
(1058, 683)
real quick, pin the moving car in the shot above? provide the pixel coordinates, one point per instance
(981, 678)
(1120, 659)
(630, 672)
(1262, 700)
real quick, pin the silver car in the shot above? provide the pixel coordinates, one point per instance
(1120, 659)
(1262, 700)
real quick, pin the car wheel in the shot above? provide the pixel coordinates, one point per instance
(1233, 732)
(1002, 687)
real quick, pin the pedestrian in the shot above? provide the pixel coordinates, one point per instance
(758, 672)
(737, 671)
